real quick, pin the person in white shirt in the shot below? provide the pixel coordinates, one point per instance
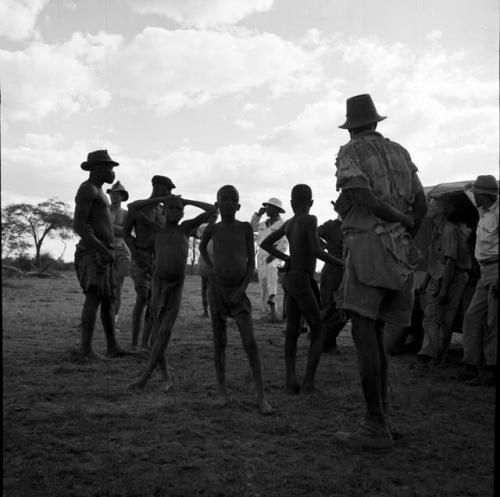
(481, 318)
(267, 265)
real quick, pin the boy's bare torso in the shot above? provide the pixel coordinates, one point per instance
(230, 252)
(298, 231)
(171, 249)
(144, 235)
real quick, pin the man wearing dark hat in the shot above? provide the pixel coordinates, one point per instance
(117, 195)
(94, 256)
(267, 265)
(141, 246)
(481, 318)
(387, 205)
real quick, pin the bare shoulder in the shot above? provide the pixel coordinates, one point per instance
(306, 221)
(86, 192)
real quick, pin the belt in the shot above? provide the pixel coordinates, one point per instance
(487, 262)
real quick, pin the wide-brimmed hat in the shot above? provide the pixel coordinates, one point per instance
(360, 111)
(485, 183)
(158, 180)
(96, 158)
(118, 187)
(276, 202)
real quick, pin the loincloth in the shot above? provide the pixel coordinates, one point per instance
(218, 297)
(93, 274)
(297, 284)
(165, 295)
(122, 258)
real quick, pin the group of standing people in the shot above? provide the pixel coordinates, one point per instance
(369, 253)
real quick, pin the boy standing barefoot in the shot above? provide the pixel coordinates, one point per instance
(171, 251)
(233, 266)
(301, 287)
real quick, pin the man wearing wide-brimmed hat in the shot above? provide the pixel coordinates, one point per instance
(117, 195)
(387, 205)
(94, 256)
(140, 239)
(481, 318)
(267, 266)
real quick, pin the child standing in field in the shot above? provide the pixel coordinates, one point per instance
(233, 265)
(301, 288)
(169, 270)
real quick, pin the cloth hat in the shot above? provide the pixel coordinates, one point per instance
(485, 183)
(162, 180)
(96, 158)
(360, 110)
(118, 187)
(276, 202)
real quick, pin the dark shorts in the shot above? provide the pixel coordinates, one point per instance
(165, 295)
(141, 269)
(93, 274)
(218, 299)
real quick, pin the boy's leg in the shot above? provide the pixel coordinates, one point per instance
(204, 297)
(475, 321)
(220, 343)
(245, 327)
(88, 319)
(138, 313)
(309, 307)
(293, 319)
(108, 324)
(147, 326)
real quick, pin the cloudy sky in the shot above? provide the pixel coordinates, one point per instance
(246, 92)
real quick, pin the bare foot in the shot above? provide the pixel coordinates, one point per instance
(292, 386)
(167, 385)
(264, 407)
(222, 400)
(119, 352)
(80, 357)
(310, 388)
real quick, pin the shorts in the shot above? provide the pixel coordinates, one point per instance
(122, 258)
(374, 302)
(218, 297)
(165, 295)
(141, 269)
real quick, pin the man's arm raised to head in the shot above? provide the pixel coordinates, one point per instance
(140, 204)
(85, 197)
(191, 224)
(310, 224)
(268, 243)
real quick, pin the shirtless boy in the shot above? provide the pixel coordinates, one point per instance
(301, 287)
(142, 247)
(171, 252)
(233, 265)
(94, 254)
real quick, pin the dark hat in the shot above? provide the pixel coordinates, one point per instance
(118, 187)
(485, 183)
(360, 110)
(96, 158)
(155, 180)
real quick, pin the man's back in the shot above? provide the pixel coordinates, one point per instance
(298, 232)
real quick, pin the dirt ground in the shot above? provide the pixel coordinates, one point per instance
(74, 430)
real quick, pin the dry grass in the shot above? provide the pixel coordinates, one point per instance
(73, 430)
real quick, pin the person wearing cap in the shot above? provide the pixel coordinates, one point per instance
(480, 327)
(387, 206)
(117, 195)
(140, 239)
(267, 265)
(95, 255)
(448, 267)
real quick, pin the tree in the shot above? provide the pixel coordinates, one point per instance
(25, 225)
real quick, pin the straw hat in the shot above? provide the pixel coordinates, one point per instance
(276, 202)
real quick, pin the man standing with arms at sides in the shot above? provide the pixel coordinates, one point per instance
(388, 205)
(267, 265)
(94, 256)
(142, 249)
(481, 318)
(117, 195)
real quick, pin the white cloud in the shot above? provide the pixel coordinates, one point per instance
(202, 13)
(18, 18)
(244, 123)
(63, 79)
(169, 70)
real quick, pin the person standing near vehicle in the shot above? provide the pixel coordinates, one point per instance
(388, 206)
(481, 318)
(444, 283)
(267, 265)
